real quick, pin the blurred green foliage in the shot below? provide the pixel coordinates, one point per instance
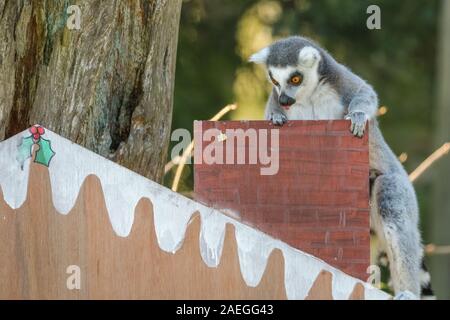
(217, 36)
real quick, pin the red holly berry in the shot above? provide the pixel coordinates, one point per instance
(37, 131)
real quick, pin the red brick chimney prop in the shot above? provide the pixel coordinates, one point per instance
(315, 197)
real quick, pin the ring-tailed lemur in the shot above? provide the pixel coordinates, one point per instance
(308, 84)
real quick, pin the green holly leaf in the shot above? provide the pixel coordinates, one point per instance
(25, 150)
(45, 152)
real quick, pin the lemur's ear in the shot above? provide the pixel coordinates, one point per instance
(308, 57)
(260, 57)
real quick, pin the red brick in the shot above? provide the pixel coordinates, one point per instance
(247, 195)
(272, 194)
(335, 169)
(308, 142)
(305, 217)
(357, 219)
(362, 199)
(357, 254)
(334, 156)
(338, 128)
(271, 182)
(331, 218)
(359, 170)
(302, 183)
(357, 183)
(301, 142)
(308, 127)
(209, 178)
(231, 176)
(320, 198)
(358, 156)
(340, 238)
(291, 166)
(273, 214)
(301, 155)
(362, 238)
(312, 239)
(329, 253)
(318, 168)
(250, 213)
(353, 142)
(329, 142)
(329, 182)
(288, 154)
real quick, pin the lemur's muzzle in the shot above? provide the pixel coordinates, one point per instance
(286, 101)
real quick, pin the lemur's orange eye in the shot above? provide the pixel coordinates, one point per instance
(296, 80)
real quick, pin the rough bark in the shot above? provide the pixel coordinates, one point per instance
(108, 86)
(440, 235)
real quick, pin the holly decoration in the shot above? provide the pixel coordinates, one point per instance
(45, 153)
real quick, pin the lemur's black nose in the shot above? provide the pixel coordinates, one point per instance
(285, 100)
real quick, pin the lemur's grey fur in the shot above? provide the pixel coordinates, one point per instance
(330, 90)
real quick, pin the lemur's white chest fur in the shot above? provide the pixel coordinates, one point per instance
(323, 104)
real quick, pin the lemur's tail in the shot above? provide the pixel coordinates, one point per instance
(425, 279)
(425, 284)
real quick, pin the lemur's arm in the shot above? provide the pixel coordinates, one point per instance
(362, 106)
(273, 110)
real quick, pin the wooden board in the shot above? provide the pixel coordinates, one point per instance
(38, 244)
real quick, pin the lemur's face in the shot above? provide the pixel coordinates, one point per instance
(287, 82)
(294, 82)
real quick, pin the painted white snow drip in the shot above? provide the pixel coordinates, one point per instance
(13, 174)
(254, 248)
(301, 270)
(172, 214)
(342, 284)
(123, 189)
(212, 235)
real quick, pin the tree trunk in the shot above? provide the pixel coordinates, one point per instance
(107, 86)
(440, 234)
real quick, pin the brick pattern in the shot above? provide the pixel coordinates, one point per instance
(317, 202)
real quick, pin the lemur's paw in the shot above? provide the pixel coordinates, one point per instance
(358, 123)
(278, 119)
(406, 295)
